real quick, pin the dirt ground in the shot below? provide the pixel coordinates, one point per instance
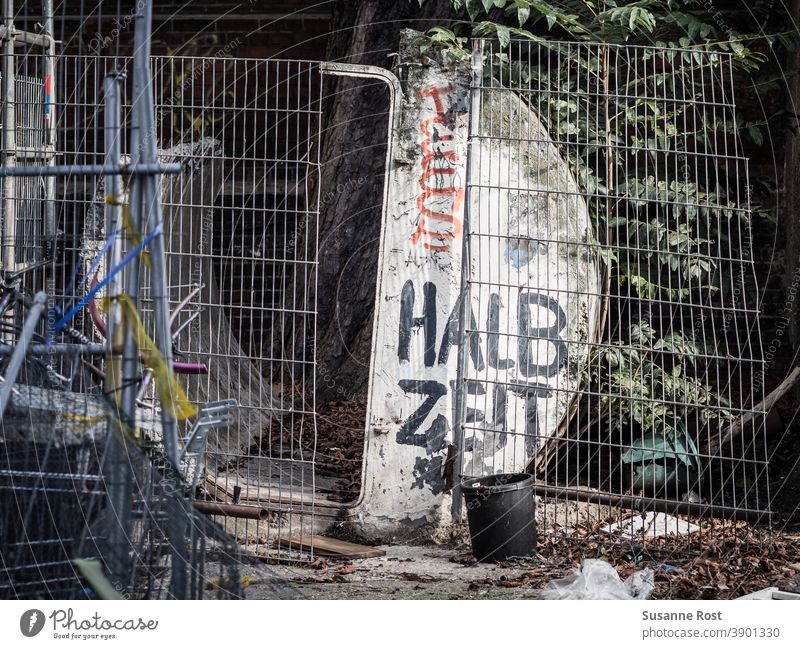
(406, 572)
(721, 564)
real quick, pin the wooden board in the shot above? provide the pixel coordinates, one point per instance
(326, 546)
(222, 489)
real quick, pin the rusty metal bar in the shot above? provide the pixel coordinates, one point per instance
(644, 504)
(251, 512)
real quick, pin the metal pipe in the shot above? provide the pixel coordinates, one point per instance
(152, 215)
(20, 350)
(189, 320)
(50, 229)
(642, 504)
(116, 467)
(182, 304)
(58, 349)
(251, 512)
(465, 310)
(147, 204)
(27, 38)
(149, 169)
(112, 133)
(130, 352)
(9, 142)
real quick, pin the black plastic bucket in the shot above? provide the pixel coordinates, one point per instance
(501, 515)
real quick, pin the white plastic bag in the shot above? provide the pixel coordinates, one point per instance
(597, 579)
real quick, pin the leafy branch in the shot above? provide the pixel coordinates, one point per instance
(665, 238)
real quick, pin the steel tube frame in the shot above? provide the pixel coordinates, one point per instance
(50, 142)
(92, 170)
(60, 349)
(116, 466)
(395, 97)
(146, 206)
(21, 348)
(464, 314)
(9, 140)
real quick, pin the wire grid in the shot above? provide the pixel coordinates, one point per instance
(55, 486)
(29, 193)
(144, 566)
(619, 248)
(241, 238)
(50, 489)
(52, 442)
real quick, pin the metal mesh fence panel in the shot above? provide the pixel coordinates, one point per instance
(610, 284)
(241, 238)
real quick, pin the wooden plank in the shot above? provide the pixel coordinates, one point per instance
(327, 546)
(261, 495)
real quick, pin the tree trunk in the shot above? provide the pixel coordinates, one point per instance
(791, 193)
(351, 186)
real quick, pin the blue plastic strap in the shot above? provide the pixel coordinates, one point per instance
(100, 285)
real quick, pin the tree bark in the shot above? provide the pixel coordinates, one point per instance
(351, 186)
(791, 192)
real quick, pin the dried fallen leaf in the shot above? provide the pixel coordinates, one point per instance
(425, 579)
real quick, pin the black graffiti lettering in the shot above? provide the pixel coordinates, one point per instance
(493, 327)
(436, 435)
(450, 337)
(434, 438)
(499, 414)
(528, 335)
(499, 408)
(429, 472)
(531, 392)
(408, 321)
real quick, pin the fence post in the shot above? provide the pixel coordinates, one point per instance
(116, 470)
(464, 298)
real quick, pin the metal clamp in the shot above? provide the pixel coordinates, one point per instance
(214, 414)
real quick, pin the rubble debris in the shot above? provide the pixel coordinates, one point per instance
(651, 524)
(424, 579)
(324, 545)
(597, 579)
(772, 593)
(339, 445)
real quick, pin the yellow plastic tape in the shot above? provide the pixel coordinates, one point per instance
(81, 423)
(130, 228)
(169, 389)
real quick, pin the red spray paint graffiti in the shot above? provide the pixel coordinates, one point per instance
(441, 199)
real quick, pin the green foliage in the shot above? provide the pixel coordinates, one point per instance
(668, 23)
(643, 366)
(663, 237)
(665, 458)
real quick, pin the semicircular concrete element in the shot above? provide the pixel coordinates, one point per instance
(535, 284)
(535, 279)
